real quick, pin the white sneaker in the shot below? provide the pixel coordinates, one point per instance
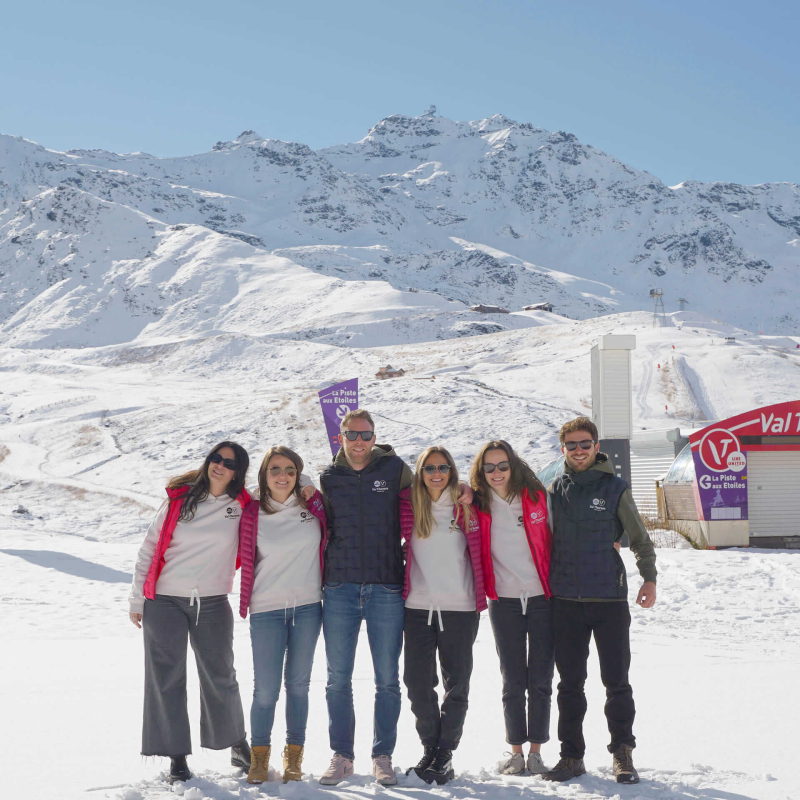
(340, 768)
(513, 765)
(383, 771)
(535, 764)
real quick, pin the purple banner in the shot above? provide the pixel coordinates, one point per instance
(336, 401)
(721, 474)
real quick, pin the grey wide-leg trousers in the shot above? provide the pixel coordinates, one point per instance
(168, 622)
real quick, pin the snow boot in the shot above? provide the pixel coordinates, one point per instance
(441, 769)
(292, 763)
(624, 770)
(565, 769)
(259, 768)
(428, 754)
(240, 755)
(179, 770)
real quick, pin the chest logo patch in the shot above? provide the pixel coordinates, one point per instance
(537, 517)
(519, 522)
(380, 486)
(598, 505)
(306, 516)
(231, 513)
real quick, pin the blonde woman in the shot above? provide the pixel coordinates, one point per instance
(444, 596)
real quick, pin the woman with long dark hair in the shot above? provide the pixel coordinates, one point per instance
(515, 546)
(444, 596)
(181, 582)
(281, 545)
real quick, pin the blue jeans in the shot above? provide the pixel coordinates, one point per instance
(383, 607)
(275, 634)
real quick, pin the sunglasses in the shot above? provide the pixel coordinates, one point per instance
(503, 466)
(228, 463)
(431, 468)
(353, 435)
(290, 471)
(584, 444)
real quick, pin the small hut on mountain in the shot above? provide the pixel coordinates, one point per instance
(389, 372)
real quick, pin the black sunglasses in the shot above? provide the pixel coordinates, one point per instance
(353, 435)
(228, 463)
(584, 444)
(503, 466)
(431, 468)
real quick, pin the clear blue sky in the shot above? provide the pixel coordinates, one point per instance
(703, 90)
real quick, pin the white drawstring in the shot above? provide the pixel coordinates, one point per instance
(439, 613)
(195, 595)
(286, 611)
(523, 599)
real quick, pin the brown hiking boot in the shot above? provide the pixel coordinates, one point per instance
(293, 763)
(259, 764)
(624, 770)
(565, 769)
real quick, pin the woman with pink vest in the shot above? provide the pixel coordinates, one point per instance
(281, 545)
(515, 548)
(444, 596)
(181, 582)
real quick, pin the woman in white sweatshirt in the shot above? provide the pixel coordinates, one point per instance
(181, 581)
(444, 596)
(281, 544)
(511, 505)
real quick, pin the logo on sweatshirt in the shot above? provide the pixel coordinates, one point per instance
(598, 505)
(231, 513)
(537, 517)
(306, 516)
(519, 522)
(380, 486)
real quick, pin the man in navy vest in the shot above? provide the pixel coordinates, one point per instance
(590, 510)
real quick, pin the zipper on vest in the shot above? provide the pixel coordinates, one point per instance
(363, 531)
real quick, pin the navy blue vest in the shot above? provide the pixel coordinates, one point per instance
(584, 562)
(364, 522)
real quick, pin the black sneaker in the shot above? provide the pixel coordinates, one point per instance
(441, 768)
(428, 754)
(240, 755)
(565, 769)
(623, 765)
(179, 769)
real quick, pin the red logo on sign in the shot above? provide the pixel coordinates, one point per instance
(717, 447)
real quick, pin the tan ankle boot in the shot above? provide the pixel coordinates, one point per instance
(259, 764)
(293, 763)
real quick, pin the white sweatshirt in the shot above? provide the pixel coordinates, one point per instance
(441, 571)
(515, 572)
(287, 572)
(201, 558)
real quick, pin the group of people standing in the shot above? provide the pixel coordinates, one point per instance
(418, 556)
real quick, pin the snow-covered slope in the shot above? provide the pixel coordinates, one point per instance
(491, 211)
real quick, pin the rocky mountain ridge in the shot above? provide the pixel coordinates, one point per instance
(490, 211)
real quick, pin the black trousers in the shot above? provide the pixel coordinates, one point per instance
(524, 645)
(574, 624)
(439, 727)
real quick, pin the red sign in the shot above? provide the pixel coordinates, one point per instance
(781, 419)
(720, 451)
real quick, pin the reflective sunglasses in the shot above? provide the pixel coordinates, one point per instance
(503, 466)
(290, 471)
(431, 468)
(353, 435)
(584, 444)
(228, 463)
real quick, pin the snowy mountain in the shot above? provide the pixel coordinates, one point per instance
(99, 248)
